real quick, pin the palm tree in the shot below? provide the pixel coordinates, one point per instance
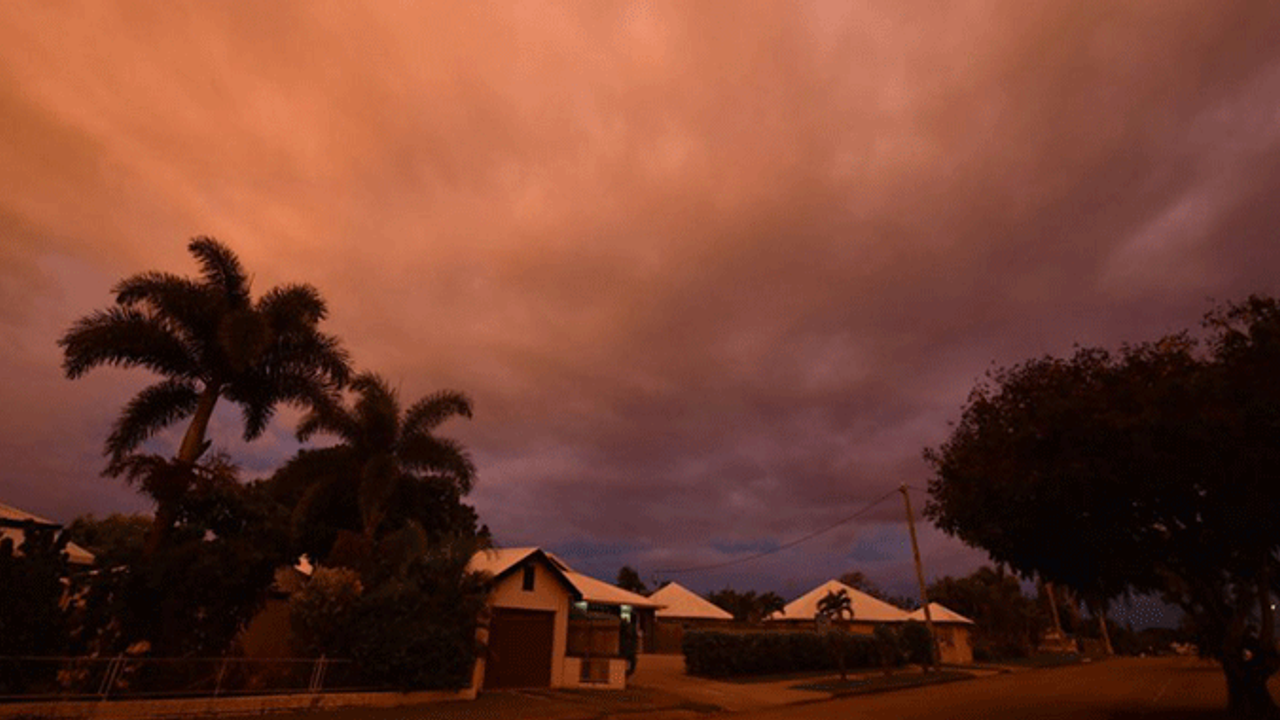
(208, 339)
(389, 467)
(836, 606)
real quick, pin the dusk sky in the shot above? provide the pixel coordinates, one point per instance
(714, 273)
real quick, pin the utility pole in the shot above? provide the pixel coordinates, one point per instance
(924, 594)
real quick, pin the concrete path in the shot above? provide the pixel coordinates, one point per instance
(666, 674)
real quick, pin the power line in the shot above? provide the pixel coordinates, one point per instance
(714, 566)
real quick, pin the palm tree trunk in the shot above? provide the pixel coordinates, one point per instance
(193, 446)
(193, 442)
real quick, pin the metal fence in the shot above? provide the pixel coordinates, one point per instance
(97, 678)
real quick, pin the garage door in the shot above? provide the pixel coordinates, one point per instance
(520, 646)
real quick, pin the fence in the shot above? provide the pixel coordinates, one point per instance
(29, 678)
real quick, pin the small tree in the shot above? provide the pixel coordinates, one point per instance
(629, 579)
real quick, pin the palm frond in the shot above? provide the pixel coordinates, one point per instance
(430, 412)
(150, 411)
(328, 417)
(126, 337)
(287, 305)
(377, 410)
(442, 457)
(221, 269)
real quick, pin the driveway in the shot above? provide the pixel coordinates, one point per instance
(665, 673)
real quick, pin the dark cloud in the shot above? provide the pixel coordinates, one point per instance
(714, 280)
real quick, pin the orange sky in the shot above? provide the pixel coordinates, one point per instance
(714, 273)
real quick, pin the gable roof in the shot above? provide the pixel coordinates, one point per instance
(941, 614)
(682, 602)
(599, 592)
(500, 562)
(865, 608)
(11, 521)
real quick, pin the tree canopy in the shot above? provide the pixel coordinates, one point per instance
(1150, 469)
(207, 339)
(629, 579)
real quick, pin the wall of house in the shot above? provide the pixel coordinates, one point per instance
(615, 680)
(548, 594)
(954, 644)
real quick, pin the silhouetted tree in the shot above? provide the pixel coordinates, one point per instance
(1007, 622)
(747, 606)
(1150, 470)
(207, 339)
(629, 579)
(389, 473)
(834, 607)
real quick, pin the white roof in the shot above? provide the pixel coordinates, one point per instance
(76, 555)
(682, 602)
(496, 560)
(941, 614)
(865, 608)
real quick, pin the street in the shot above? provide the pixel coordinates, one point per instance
(1122, 688)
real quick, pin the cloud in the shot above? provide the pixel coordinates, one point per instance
(709, 277)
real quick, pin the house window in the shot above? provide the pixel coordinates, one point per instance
(527, 584)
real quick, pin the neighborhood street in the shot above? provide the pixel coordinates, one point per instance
(1179, 688)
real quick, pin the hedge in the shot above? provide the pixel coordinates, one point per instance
(719, 654)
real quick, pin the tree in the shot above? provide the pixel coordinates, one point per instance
(629, 579)
(207, 339)
(112, 538)
(1006, 621)
(193, 595)
(747, 606)
(389, 473)
(1150, 470)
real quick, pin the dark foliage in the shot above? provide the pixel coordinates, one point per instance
(629, 579)
(33, 620)
(194, 594)
(719, 654)
(1150, 470)
(1007, 623)
(747, 606)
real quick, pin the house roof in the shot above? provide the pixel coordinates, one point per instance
(682, 602)
(500, 561)
(12, 530)
(865, 608)
(941, 614)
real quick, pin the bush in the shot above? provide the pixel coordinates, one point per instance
(720, 654)
(915, 642)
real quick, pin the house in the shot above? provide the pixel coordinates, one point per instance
(867, 611)
(550, 626)
(13, 524)
(954, 632)
(685, 610)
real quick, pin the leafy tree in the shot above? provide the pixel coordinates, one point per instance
(112, 538)
(193, 595)
(1151, 470)
(1006, 621)
(747, 606)
(207, 339)
(33, 620)
(629, 579)
(389, 473)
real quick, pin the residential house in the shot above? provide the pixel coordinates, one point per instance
(13, 524)
(954, 632)
(867, 611)
(685, 610)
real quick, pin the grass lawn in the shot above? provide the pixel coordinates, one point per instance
(881, 683)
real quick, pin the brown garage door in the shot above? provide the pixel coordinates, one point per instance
(520, 646)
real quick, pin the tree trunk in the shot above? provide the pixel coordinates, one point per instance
(193, 446)
(193, 441)
(1247, 693)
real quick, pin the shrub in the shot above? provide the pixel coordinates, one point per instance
(720, 654)
(915, 642)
